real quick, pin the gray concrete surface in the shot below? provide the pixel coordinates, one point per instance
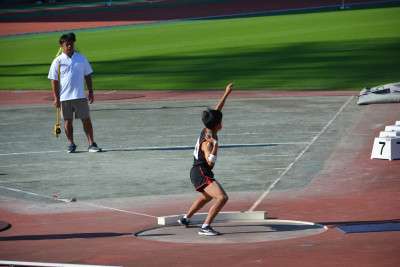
(234, 232)
(148, 147)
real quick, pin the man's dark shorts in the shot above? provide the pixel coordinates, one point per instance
(79, 106)
(201, 177)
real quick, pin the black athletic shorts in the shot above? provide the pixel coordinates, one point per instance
(201, 177)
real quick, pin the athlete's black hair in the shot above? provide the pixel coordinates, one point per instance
(211, 118)
(67, 37)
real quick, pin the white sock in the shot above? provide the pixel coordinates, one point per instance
(186, 218)
(205, 225)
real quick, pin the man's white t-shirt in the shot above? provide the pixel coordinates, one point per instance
(72, 74)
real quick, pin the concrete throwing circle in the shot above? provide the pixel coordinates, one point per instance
(233, 232)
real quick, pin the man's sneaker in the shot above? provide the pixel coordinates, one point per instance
(208, 231)
(94, 148)
(71, 148)
(184, 222)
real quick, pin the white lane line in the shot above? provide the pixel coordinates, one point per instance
(74, 200)
(110, 92)
(31, 152)
(36, 164)
(21, 142)
(298, 157)
(38, 195)
(27, 263)
(125, 211)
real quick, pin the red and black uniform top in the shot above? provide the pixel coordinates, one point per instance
(199, 158)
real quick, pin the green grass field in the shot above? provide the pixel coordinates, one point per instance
(343, 50)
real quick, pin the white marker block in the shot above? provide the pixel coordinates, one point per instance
(397, 122)
(386, 148)
(222, 216)
(395, 128)
(389, 134)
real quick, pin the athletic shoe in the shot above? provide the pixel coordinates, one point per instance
(94, 148)
(184, 222)
(208, 231)
(71, 148)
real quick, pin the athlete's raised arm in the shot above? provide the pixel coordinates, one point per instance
(228, 90)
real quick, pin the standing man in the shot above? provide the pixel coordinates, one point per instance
(201, 175)
(70, 94)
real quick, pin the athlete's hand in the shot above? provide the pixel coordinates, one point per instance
(210, 138)
(229, 88)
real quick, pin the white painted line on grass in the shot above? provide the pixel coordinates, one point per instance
(298, 157)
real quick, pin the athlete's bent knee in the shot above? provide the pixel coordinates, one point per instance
(223, 198)
(226, 198)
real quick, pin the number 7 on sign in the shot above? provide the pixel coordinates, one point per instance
(383, 145)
